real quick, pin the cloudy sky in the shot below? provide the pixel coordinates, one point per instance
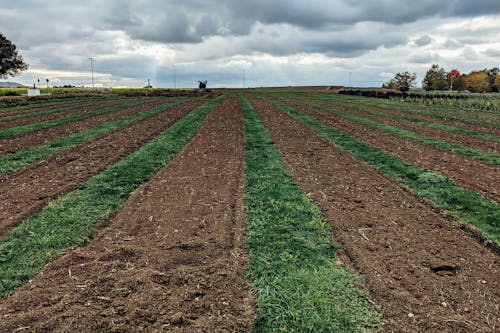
(269, 42)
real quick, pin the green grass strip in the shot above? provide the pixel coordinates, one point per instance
(20, 130)
(14, 162)
(476, 209)
(72, 218)
(298, 284)
(453, 147)
(57, 110)
(409, 119)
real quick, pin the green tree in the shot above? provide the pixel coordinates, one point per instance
(477, 81)
(404, 81)
(435, 79)
(11, 63)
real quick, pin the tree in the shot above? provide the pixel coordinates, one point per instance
(390, 85)
(460, 83)
(492, 75)
(497, 82)
(453, 77)
(405, 81)
(435, 79)
(477, 81)
(11, 63)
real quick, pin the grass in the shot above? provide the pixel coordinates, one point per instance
(299, 286)
(437, 143)
(20, 130)
(73, 218)
(13, 162)
(413, 120)
(474, 208)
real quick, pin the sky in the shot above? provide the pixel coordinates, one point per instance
(251, 43)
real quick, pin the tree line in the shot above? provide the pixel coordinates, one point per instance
(437, 78)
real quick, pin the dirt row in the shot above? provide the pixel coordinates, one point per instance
(463, 139)
(170, 260)
(423, 273)
(27, 191)
(466, 172)
(59, 115)
(455, 123)
(35, 108)
(32, 139)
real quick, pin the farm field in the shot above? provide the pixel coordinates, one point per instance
(264, 210)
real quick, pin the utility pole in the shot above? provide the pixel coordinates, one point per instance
(350, 81)
(243, 78)
(92, 69)
(175, 81)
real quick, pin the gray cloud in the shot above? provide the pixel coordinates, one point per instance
(133, 39)
(423, 40)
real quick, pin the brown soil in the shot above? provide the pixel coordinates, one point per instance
(35, 108)
(27, 191)
(461, 170)
(17, 143)
(463, 139)
(170, 260)
(423, 273)
(57, 115)
(477, 128)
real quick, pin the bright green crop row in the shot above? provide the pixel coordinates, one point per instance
(298, 285)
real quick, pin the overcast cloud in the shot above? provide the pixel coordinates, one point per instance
(278, 42)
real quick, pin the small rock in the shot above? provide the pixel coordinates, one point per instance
(444, 304)
(411, 315)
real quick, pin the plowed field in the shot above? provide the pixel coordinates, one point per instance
(264, 211)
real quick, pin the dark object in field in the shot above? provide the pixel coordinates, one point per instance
(202, 84)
